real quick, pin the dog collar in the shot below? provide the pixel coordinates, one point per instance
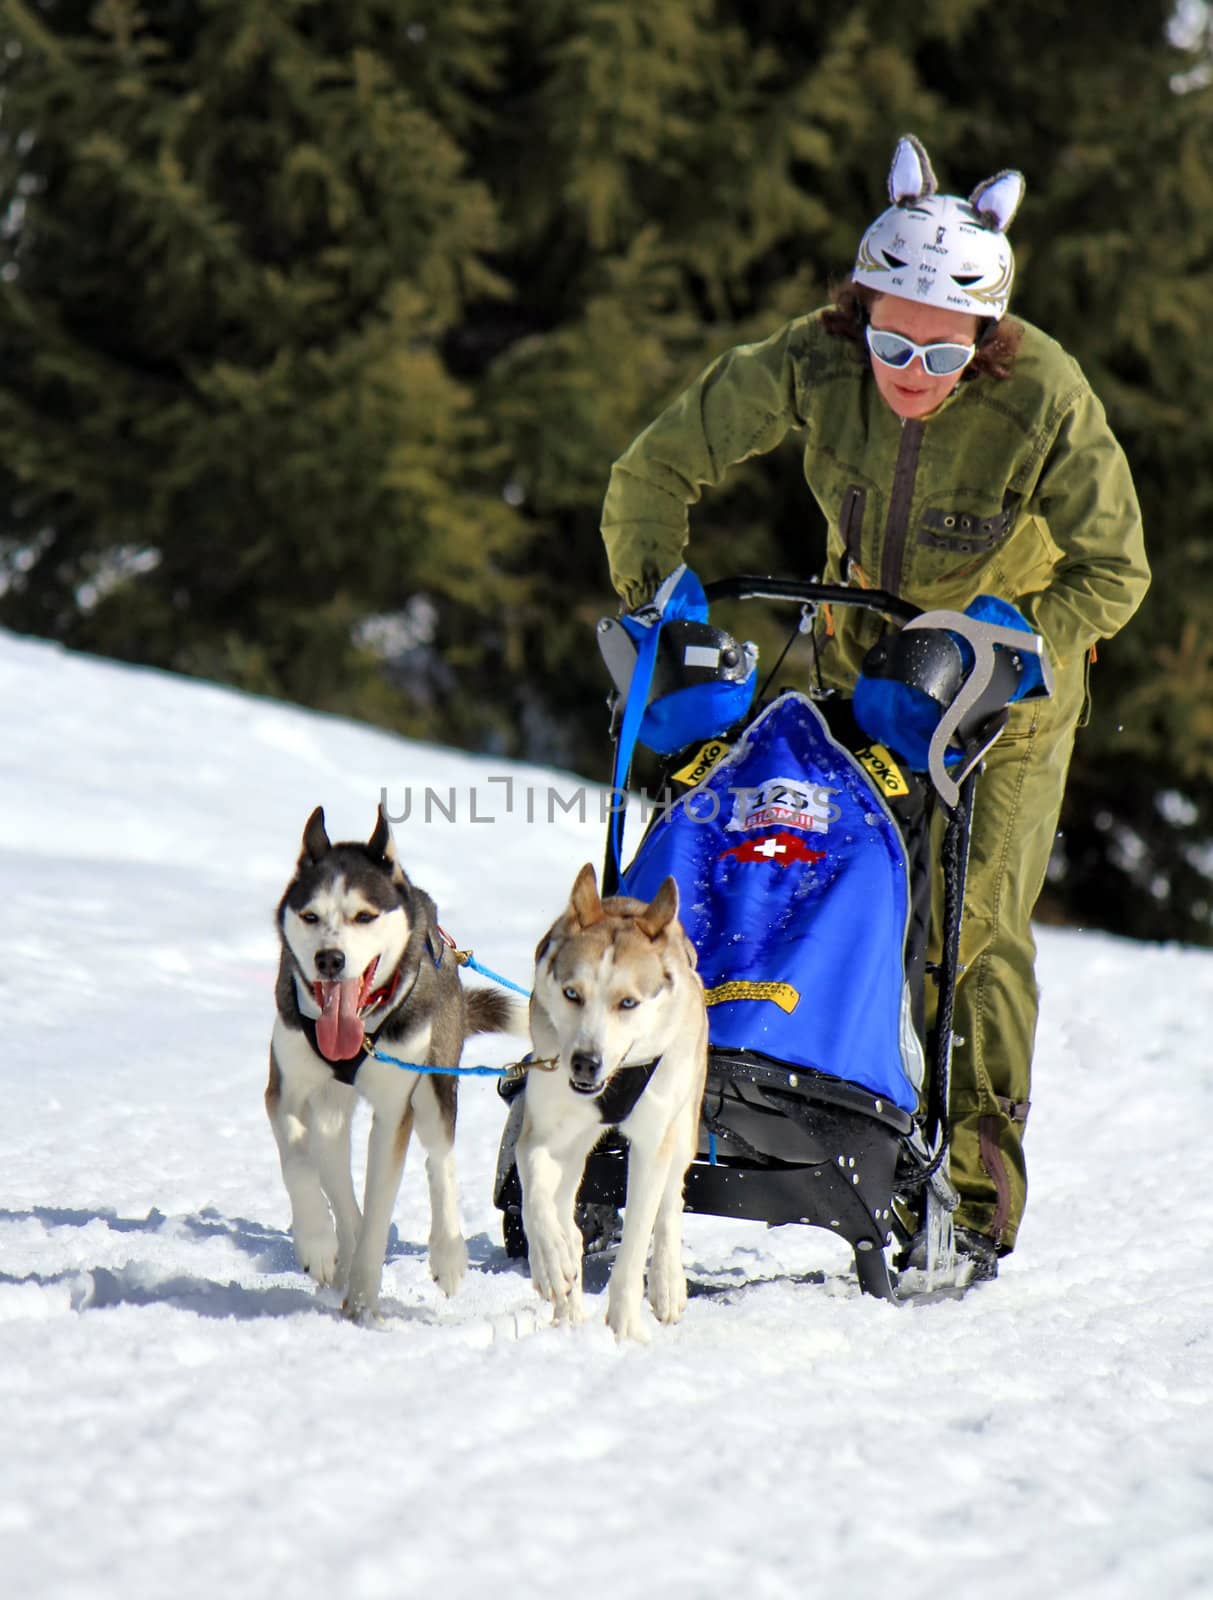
(618, 1100)
(378, 998)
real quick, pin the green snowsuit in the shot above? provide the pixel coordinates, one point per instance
(1014, 487)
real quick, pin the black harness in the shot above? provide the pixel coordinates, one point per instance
(618, 1100)
(345, 1070)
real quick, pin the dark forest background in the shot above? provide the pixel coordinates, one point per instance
(321, 324)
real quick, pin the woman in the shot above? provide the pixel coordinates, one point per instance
(953, 453)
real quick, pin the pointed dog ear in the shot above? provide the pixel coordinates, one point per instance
(315, 839)
(584, 900)
(382, 846)
(380, 840)
(998, 199)
(911, 176)
(661, 912)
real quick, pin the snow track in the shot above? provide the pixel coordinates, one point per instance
(183, 1415)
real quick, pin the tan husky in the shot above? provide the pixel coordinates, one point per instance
(618, 1005)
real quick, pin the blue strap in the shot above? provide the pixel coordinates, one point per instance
(629, 729)
(495, 977)
(441, 1072)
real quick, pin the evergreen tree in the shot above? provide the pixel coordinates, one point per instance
(1110, 115)
(693, 190)
(231, 435)
(709, 172)
(320, 326)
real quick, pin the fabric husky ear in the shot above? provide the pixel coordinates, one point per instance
(661, 912)
(315, 839)
(997, 199)
(911, 176)
(584, 901)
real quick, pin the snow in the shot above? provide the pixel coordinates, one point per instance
(182, 1415)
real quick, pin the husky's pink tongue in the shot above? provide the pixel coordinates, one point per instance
(339, 1029)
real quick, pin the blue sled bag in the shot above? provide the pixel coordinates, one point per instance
(794, 889)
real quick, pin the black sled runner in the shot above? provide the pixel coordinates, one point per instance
(803, 851)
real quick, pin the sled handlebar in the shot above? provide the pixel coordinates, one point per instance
(808, 592)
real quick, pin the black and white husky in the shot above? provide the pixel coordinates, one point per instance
(363, 963)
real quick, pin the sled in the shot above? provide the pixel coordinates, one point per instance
(802, 849)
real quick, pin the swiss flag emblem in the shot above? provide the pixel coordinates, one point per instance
(783, 848)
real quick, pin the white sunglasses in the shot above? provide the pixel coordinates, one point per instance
(940, 360)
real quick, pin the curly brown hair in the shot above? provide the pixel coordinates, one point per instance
(997, 341)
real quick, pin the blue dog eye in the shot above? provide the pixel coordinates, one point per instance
(570, 993)
(628, 1004)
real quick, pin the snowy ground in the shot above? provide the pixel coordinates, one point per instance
(182, 1417)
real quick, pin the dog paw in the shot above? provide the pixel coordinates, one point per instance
(626, 1320)
(362, 1297)
(448, 1263)
(555, 1272)
(667, 1290)
(359, 1311)
(316, 1253)
(570, 1312)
